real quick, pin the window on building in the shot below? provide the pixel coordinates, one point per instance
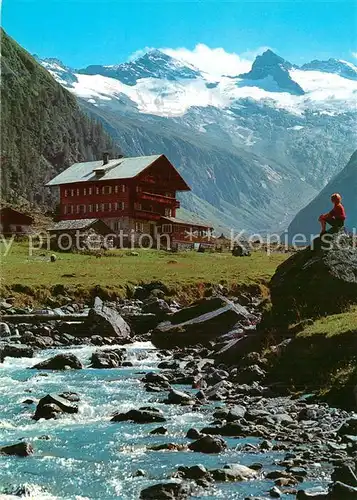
(85, 191)
(137, 206)
(90, 208)
(105, 207)
(168, 212)
(123, 188)
(72, 192)
(166, 228)
(89, 191)
(116, 225)
(66, 193)
(139, 227)
(65, 209)
(138, 189)
(70, 209)
(97, 207)
(121, 205)
(116, 188)
(176, 228)
(77, 192)
(107, 190)
(97, 190)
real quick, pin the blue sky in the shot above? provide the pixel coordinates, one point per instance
(82, 32)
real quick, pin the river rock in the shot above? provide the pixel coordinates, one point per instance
(179, 398)
(4, 330)
(199, 324)
(141, 416)
(159, 430)
(16, 351)
(156, 306)
(107, 322)
(193, 434)
(342, 491)
(312, 493)
(344, 474)
(166, 491)
(250, 374)
(156, 382)
(349, 427)
(21, 449)
(169, 365)
(52, 405)
(109, 358)
(60, 362)
(194, 472)
(233, 472)
(169, 447)
(274, 492)
(208, 444)
(70, 396)
(142, 323)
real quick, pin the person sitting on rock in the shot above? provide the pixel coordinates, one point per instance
(336, 217)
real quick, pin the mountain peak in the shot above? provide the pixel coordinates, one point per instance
(271, 66)
(153, 64)
(270, 58)
(62, 73)
(336, 66)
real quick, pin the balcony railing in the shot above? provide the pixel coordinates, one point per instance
(167, 200)
(146, 214)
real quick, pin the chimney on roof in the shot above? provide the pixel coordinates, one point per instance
(105, 158)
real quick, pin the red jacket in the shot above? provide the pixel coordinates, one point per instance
(338, 212)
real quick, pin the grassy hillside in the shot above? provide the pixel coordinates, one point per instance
(43, 130)
(321, 358)
(187, 275)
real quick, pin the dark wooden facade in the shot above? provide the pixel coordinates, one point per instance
(14, 222)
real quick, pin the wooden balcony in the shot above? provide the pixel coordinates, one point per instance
(159, 198)
(147, 215)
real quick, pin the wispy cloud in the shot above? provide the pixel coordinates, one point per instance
(215, 61)
(139, 53)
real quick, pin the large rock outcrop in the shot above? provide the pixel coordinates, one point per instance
(200, 323)
(107, 322)
(315, 282)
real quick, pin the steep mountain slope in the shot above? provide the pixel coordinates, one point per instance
(254, 147)
(344, 183)
(42, 127)
(239, 189)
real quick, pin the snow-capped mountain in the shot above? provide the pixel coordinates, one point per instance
(153, 64)
(336, 66)
(159, 84)
(255, 148)
(272, 73)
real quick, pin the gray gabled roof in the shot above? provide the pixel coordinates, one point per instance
(175, 220)
(120, 168)
(70, 225)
